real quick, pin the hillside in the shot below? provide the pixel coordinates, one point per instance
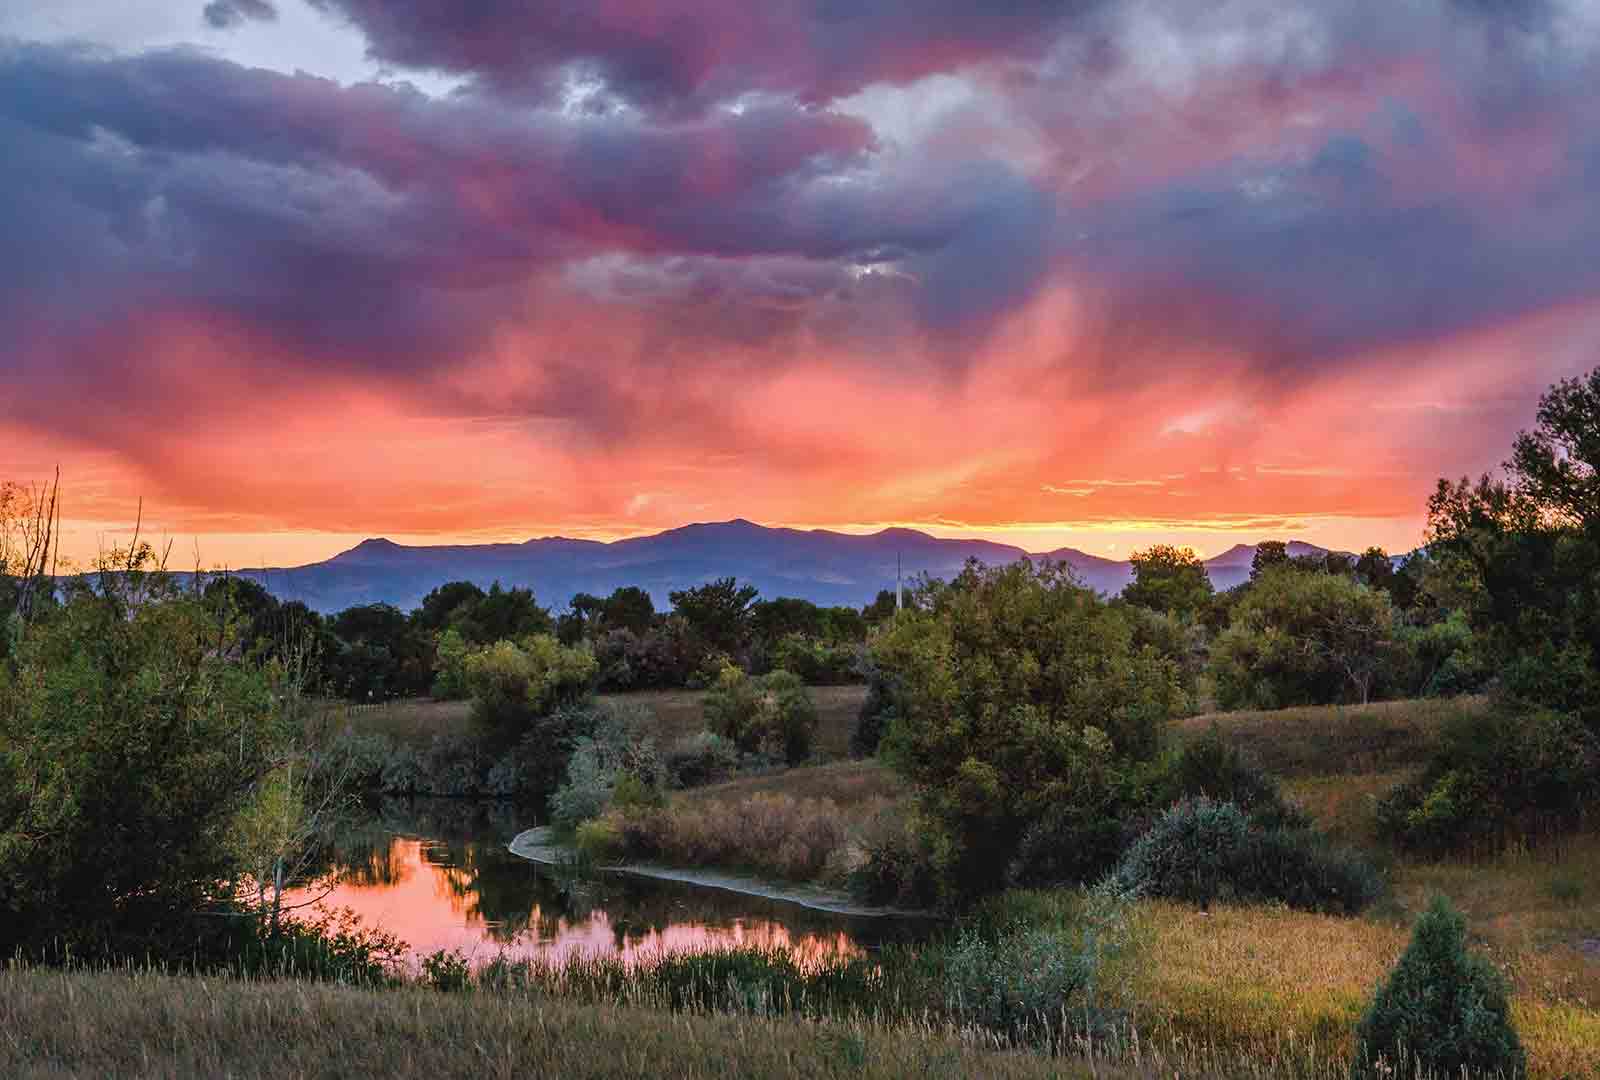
(818, 565)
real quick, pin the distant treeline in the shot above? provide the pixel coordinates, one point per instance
(376, 652)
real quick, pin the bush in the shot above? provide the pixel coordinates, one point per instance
(896, 866)
(1203, 850)
(1499, 777)
(1442, 1011)
(818, 663)
(701, 758)
(877, 712)
(1209, 766)
(512, 684)
(770, 714)
(621, 746)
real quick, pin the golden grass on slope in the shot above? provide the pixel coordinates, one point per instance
(1328, 739)
(136, 1025)
(1345, 806)
(1287, 988)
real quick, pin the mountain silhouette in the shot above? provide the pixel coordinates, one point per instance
(818, 565)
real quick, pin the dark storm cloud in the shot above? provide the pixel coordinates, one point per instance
(374, 227)
(665, 53)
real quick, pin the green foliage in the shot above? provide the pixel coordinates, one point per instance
(1169, 580)
(447, 971)
(380, 654)
(450, 663)
(817, 662)
(1016, 685)
(1302, 638)
(897, 865)
(1211, 766)
(513, 684)
(771, 713)
(718, 613)
(1203, 850)
(620, 753)
(1499, 777)
(701, 758)
(1443, 1010)
(877, 712)
(127, 743)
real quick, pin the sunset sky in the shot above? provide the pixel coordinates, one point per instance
(298, 272)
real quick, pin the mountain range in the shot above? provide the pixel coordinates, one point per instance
(818, 565)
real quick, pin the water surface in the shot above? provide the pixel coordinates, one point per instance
(436, 874)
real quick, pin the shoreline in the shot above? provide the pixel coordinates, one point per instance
(537, 845)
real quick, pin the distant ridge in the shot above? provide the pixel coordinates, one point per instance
(819, 565)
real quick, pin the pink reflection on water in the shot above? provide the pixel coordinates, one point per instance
(432, 907)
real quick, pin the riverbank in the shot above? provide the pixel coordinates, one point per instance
(539, 845)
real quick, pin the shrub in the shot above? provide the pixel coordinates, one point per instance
(818, 663)
(1443, 1010)
(511, 684)
(1498, 777)
(896, 866)
(877, 712)
(1211, 767)
(599, 840)
(446, 970)
(701, 758)
(1202, 850)
(771, 713)
(620, 746)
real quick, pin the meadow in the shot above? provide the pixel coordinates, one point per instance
(1236, 990)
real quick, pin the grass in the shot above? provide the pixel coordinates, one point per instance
(677, 712)
(1321, 740)
(1254, 982)
(55, 1024)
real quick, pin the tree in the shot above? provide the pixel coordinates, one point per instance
(883, 606)
(1269, 553)
(1022, 704)
(447, 604)
(513, 684)
(1168, 579)
(628, 608)
(1375, 570)
(718, 612)
(1443, 1011)
(128, 742)
(1299, 638)
(381, 654)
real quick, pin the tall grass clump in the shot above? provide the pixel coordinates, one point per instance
(796, 839)
(1443, 1010)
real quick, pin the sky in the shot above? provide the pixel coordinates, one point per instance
(291, 273)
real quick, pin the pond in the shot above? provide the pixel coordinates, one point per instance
(437, 874)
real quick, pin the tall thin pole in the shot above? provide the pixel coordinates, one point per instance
(899, 600)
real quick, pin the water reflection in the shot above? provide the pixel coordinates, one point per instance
(436, 873)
